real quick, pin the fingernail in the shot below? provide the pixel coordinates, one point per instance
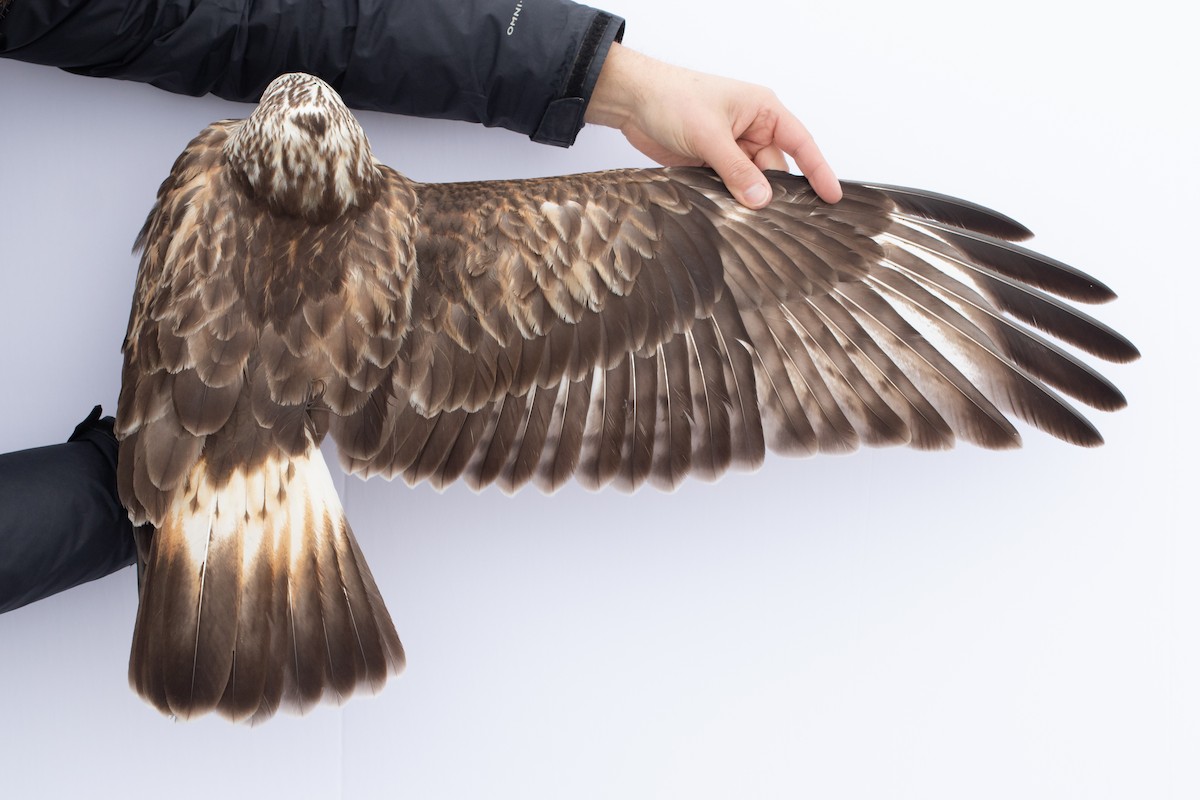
(757, 194)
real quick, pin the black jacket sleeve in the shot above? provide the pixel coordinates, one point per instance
(526, 65)
(62, 524)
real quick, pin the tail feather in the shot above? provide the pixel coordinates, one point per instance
(257, 597)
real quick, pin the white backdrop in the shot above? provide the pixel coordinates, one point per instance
(889, 624)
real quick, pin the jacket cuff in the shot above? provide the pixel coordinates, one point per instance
(564, 115)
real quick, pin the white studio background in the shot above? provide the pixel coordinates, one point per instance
(889, 624)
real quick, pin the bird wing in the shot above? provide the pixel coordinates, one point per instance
(187, 342)
(641, 325)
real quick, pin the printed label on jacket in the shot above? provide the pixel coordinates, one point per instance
(512, 23)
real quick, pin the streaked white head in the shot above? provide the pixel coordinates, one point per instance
(303, 152)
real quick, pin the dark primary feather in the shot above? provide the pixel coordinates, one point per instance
(617, 328)
(919, 204)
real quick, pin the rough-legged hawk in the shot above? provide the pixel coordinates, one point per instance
(618, 327)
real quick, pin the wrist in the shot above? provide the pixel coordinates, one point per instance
(616, 96)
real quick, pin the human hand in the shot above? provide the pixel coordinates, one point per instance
(679, 117)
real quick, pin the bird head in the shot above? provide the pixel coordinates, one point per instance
(303, 153)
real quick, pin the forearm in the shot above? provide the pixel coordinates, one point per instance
(60, 521)
(526, 65)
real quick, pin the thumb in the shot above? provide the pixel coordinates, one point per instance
(743, 179)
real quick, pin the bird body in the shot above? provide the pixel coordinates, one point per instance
(619, 328)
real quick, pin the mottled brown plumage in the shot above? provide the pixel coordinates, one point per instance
(617, 328)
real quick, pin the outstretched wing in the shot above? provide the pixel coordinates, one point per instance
(640, 325)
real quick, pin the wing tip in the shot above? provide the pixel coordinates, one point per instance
(952, 210)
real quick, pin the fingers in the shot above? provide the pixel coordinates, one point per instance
(677, 116)
(723, 150)
(794, 138)
(742, 177)
(823, 181)
(770, 158)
